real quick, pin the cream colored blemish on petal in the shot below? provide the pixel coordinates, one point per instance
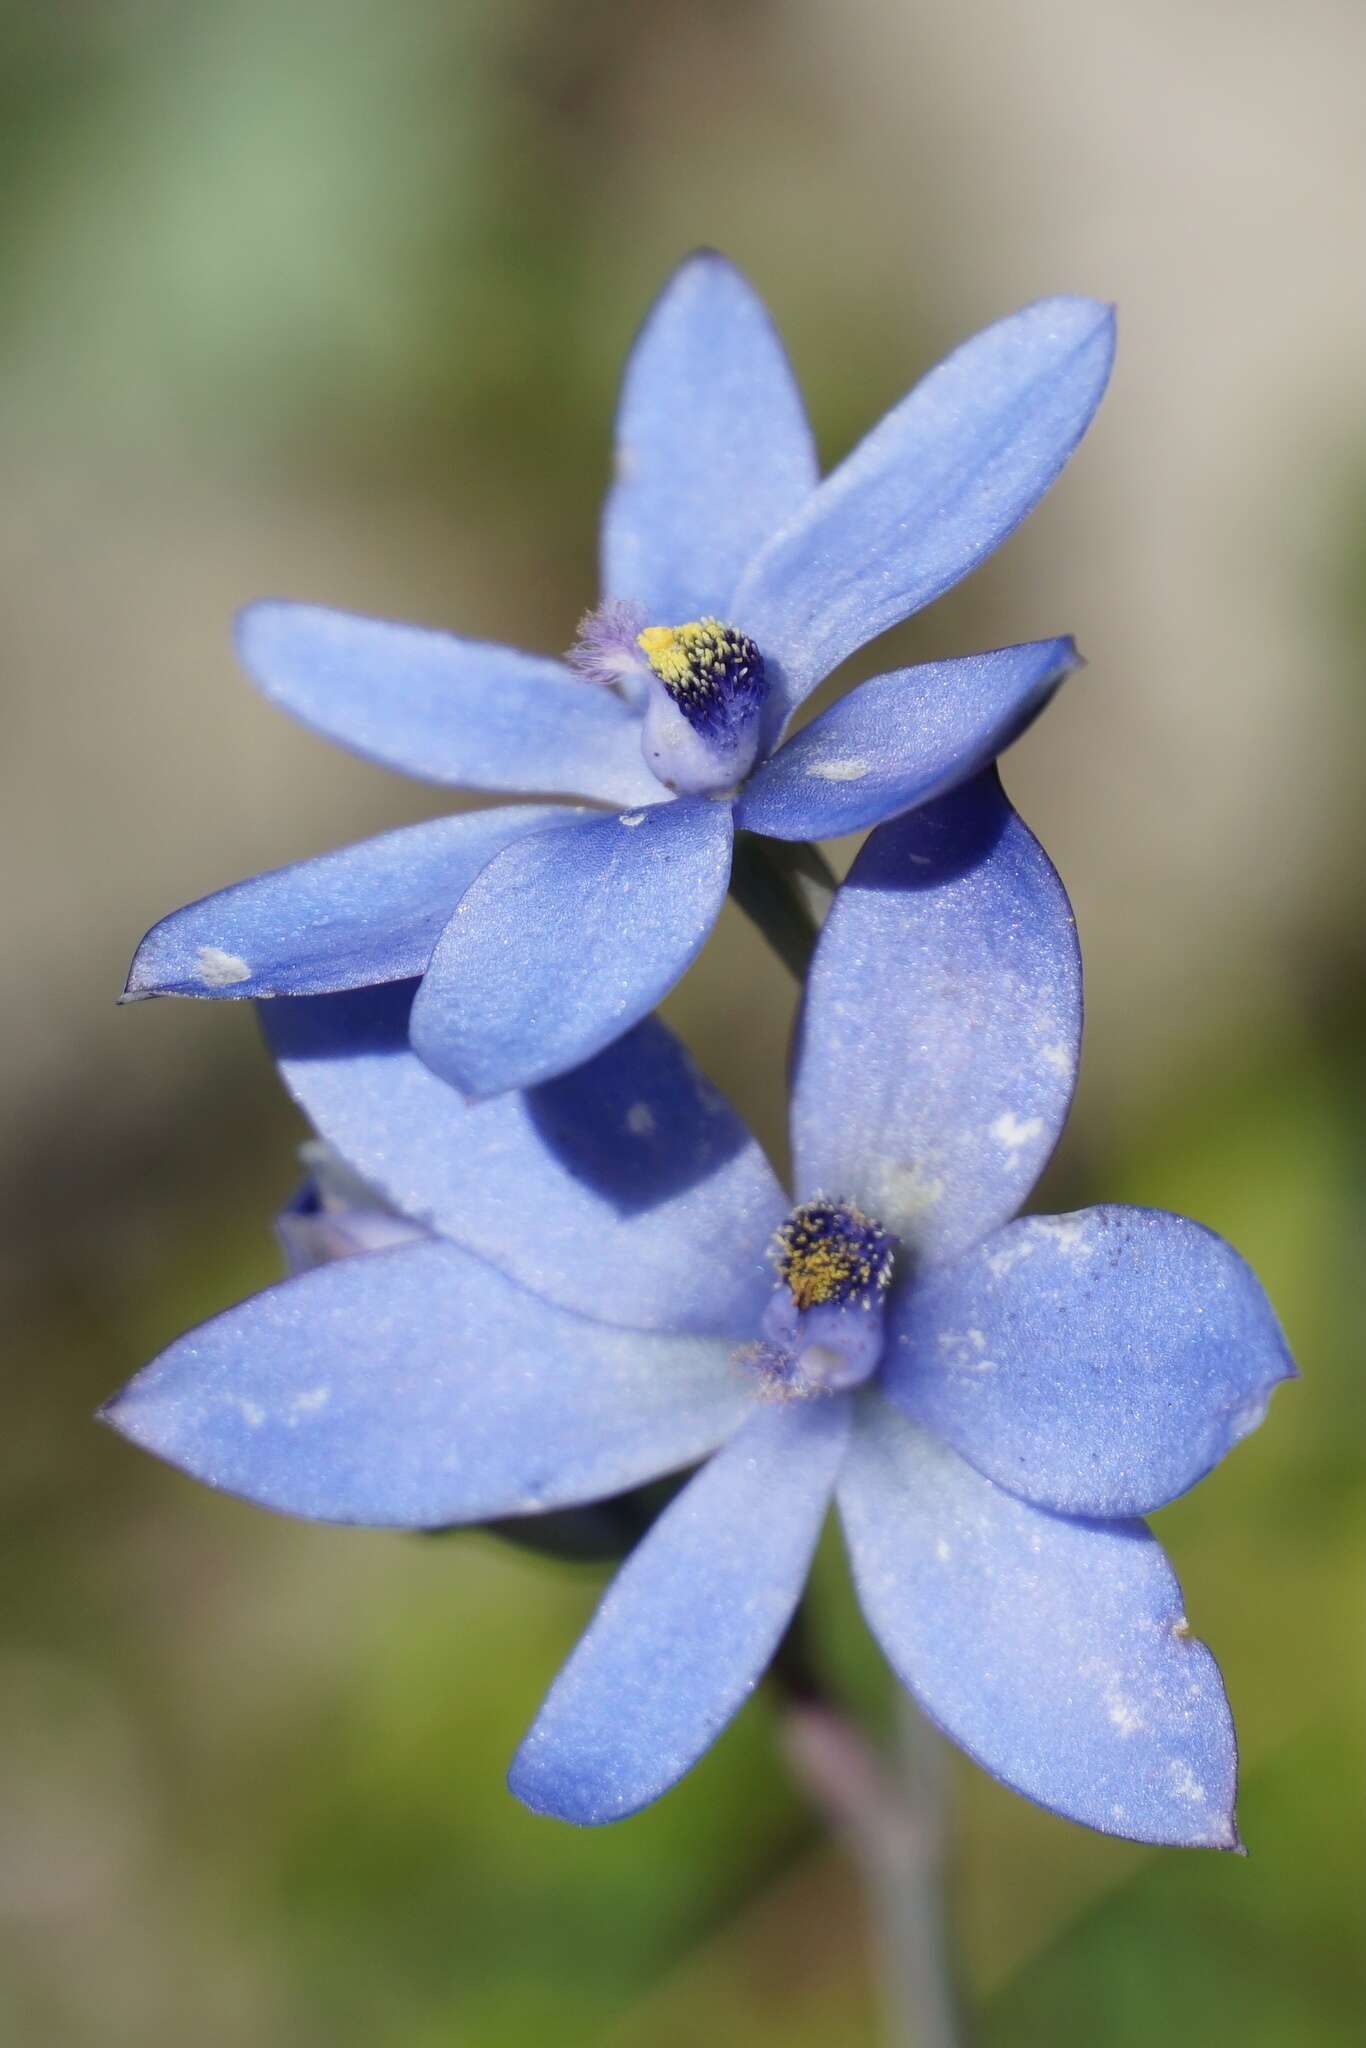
(1068, 1233)
(999, 1263)
(1015, 1132)
(1056, 1056)
(631, 818)
(640, 1120)
(1185, 1784)
(1122, 1712)
(846, 769)
(217, 969)
(965, 1351)
(904, 1192)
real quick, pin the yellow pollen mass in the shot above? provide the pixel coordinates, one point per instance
(824, 1272)
(684, 656)
(831, 1252)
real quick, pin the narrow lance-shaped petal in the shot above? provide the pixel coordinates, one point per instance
(900, 740)
(1055, 1651)
(420, 1387)
(628, 1190)
(689, 1623)
(365, 914)
(1098, 1363)
(939, 1036)
(558, 950)
(713, 451)
(455, 711)
(933, 489)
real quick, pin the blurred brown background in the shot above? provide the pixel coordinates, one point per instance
(329, 300)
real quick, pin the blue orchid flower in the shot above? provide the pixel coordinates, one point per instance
(584, 1303)
(735, 581)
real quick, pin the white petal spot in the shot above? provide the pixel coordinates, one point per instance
(965, 1351)
(1185, 1784)
(1058, 1057)
(1015, 1132)
(942, 1550)
(218, 969)
(1067, 1233)
(847, 768)
(905, 1192)
(640, 1120)
(631, 818)
(1123, 1714)
(999, 1263)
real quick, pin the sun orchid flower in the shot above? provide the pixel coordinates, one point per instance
(604, 1283)
(734, 580)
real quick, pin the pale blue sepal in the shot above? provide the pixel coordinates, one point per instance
(557, 950)
(1098, 1363)
(901, 740)
(940, 1032)
(713, 451)
(689, 1623)
(367, 913)
(465, 712)
(1054, 1651)
(420, 1388)
(929, 493)
(628, 1190)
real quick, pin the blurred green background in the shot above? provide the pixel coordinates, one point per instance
(328, 298)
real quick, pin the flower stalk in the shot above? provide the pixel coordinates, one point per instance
(891, 1812)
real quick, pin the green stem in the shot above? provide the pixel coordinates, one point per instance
(784, 888)
(890, 1812)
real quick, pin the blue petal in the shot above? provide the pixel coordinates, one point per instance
(420, 1387)
(368, 913)
(939, 1039)
(713, 449)
(557, 949)
(454, 711)
(628, 1190)
(1098, 1363)
(1054, 1651)
(932, 490)
(901, 739)
(689, 1623)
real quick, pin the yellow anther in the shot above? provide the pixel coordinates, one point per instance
(694, 656)
(832, 1252)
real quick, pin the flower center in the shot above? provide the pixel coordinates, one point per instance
(699, 687)
(832, 1252)
(702, 714)
(823, 1328)
(714, 674)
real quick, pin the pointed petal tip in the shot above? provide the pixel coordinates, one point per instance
(1099, 313)
(538, 1792)
(138, 983)
(250, 617)
(707, 257)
